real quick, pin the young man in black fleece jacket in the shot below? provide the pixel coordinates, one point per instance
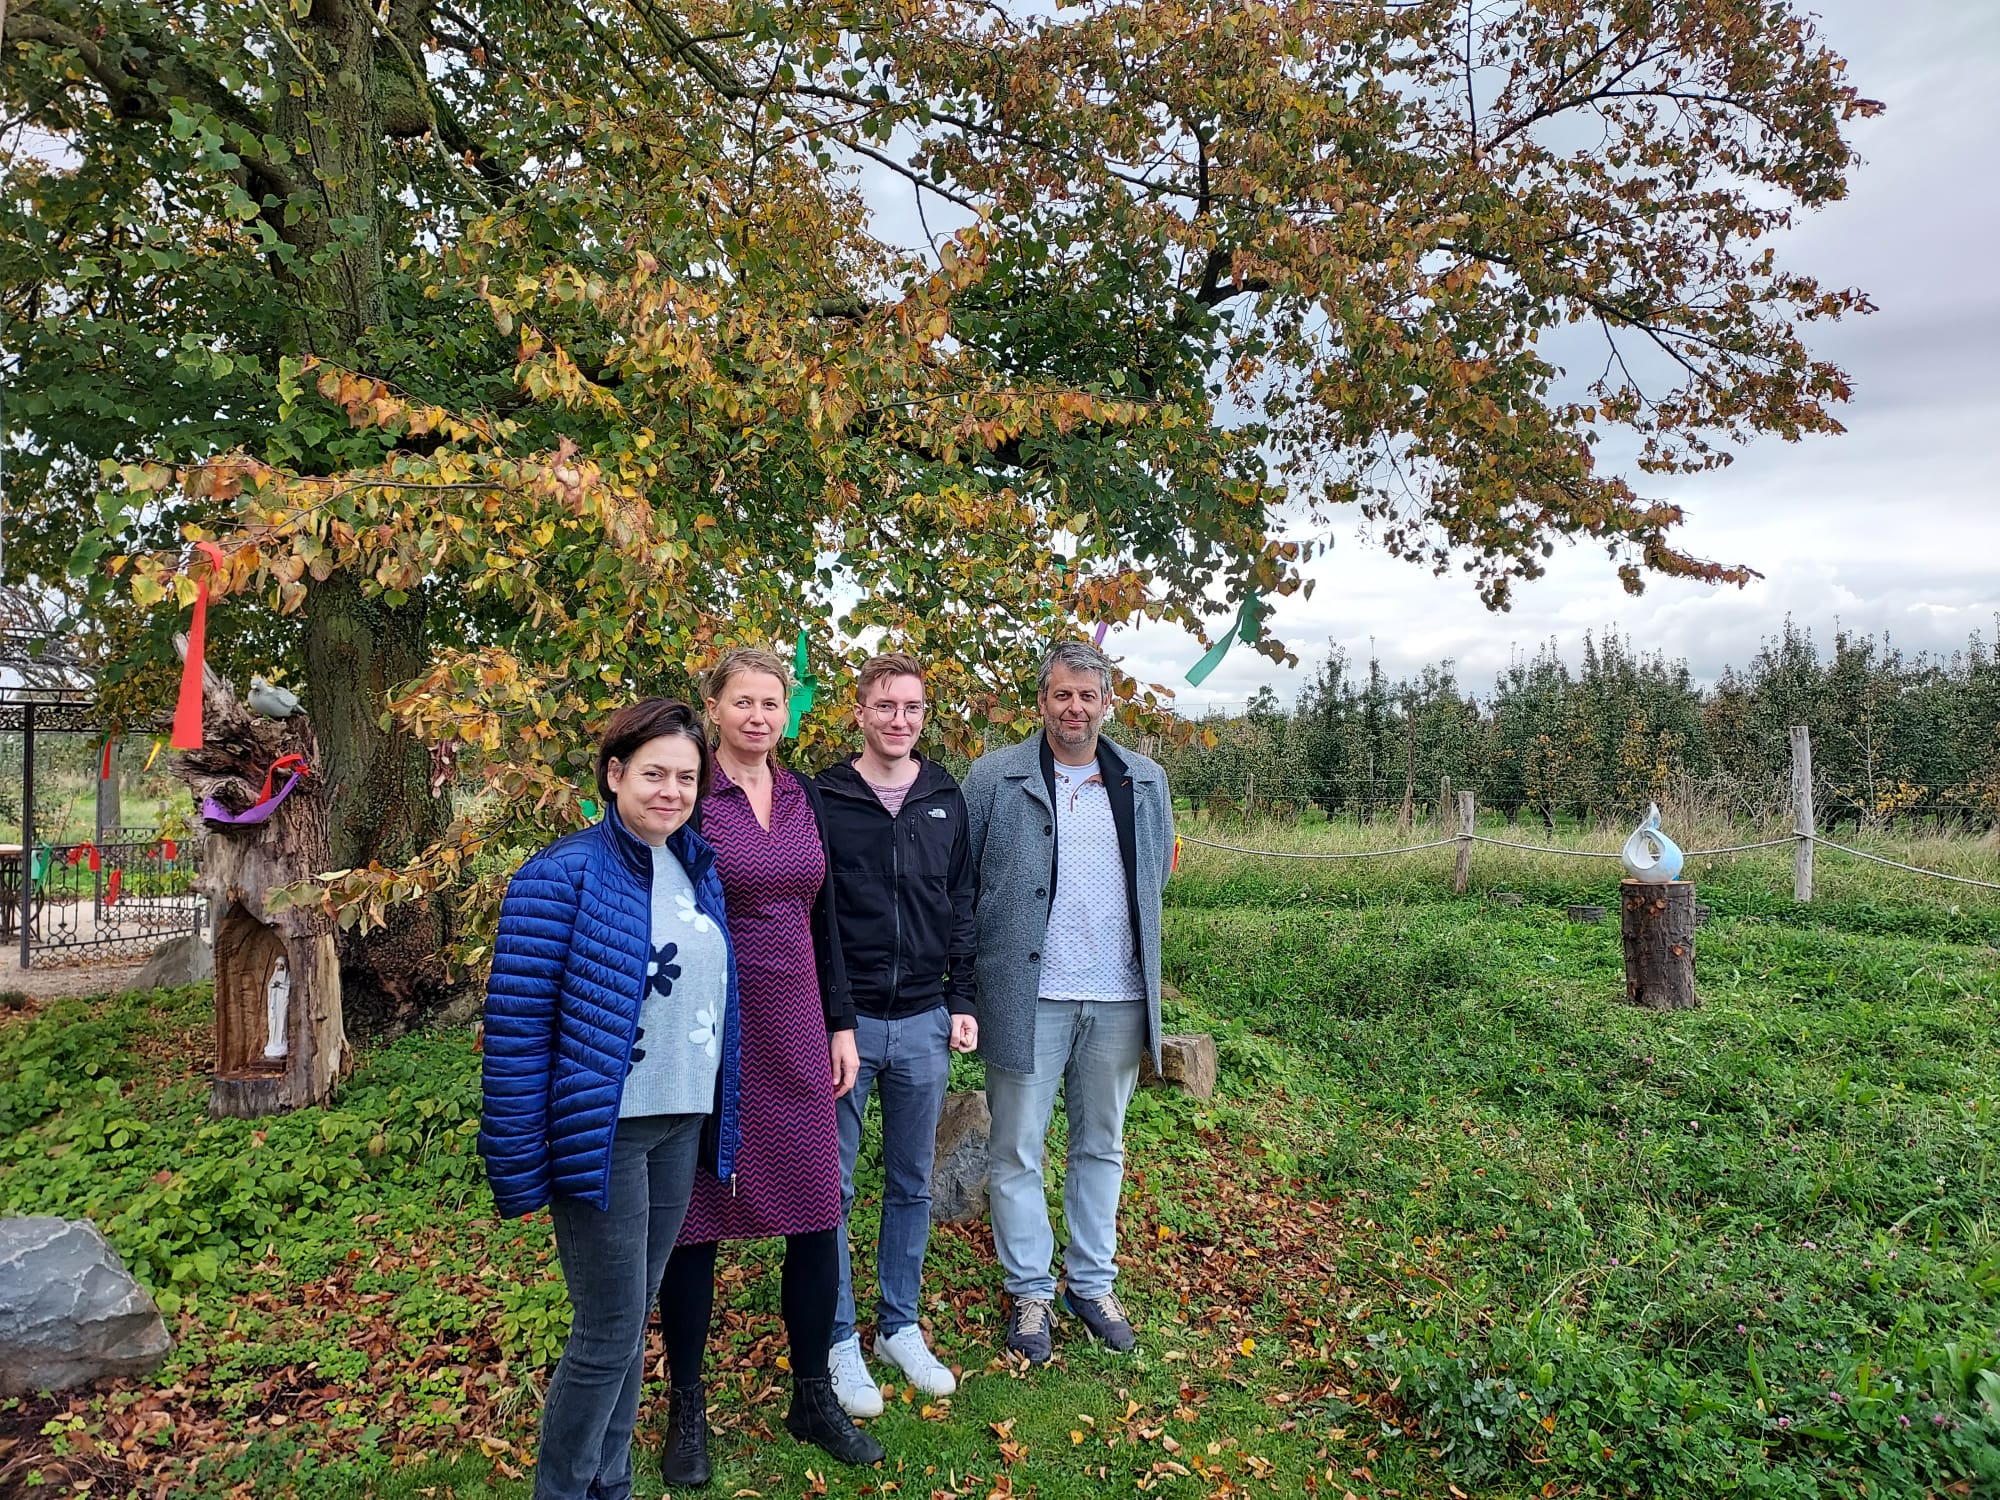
(903, 876)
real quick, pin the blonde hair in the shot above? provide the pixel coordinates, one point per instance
(741, 659)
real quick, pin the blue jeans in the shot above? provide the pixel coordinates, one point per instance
(611, 1263)
(908, 1064)
(1090, 1049)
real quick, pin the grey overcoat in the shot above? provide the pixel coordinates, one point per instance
(1012, 810)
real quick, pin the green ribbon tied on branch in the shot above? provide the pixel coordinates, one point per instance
(805, 688)
(1249, 622)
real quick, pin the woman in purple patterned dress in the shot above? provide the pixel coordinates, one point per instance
(798, 1056)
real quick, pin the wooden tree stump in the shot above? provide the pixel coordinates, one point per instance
(1657, 924)
(279, 1040)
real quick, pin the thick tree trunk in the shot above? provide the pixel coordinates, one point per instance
(330, 101)
(357, 652)
(376, 782)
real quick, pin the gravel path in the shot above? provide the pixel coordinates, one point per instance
(76, 979)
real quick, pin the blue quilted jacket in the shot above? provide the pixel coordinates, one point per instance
(562, 1007)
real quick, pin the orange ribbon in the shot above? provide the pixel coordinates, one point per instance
(187, 712)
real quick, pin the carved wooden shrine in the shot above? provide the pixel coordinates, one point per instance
(279, 1040)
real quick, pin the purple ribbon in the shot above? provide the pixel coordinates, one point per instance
(215, 812)
(1102, 627)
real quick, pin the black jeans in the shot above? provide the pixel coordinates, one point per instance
(810, 1289)
(611, 1261)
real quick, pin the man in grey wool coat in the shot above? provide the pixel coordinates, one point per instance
(1073, 839)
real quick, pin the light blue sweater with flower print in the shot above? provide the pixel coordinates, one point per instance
(680, 1020)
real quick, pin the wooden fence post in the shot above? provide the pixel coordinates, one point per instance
(1409, 807)
(1445, 804)
(1802, 813)
(1461, 876)
(1249, 796)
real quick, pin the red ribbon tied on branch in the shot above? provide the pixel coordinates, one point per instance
(187, 712)
(267, 802)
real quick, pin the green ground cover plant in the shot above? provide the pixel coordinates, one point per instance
(1457, 1217)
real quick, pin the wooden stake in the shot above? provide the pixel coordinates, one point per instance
(1802, 813)
(1461, 875)
(1409, 807)
(1656, 923)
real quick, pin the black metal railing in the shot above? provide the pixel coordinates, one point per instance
(91, 900)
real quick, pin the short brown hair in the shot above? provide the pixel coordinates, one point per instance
(740, 659)
(887, 664)
(651, 719)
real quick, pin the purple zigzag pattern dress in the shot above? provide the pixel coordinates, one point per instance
(788, 1166)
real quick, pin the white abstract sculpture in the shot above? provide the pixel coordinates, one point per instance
(277, 1001)
(1649, 855)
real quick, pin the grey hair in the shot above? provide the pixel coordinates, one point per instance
(1076, 656)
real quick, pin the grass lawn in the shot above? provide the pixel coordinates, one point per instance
(1457, 1218)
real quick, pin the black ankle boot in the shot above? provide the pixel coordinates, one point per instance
(684, 1458)
(816, 1418)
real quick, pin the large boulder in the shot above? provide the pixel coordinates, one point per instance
(1186, 1062)
(958, 1171)
(185, 960)
(70, 1312)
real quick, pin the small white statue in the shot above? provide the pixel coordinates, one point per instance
(277, 1002)
(1649, 855)
(272, 701)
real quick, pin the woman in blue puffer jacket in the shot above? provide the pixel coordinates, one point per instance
(611, 1034)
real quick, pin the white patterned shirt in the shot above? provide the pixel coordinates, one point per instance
(679, 1045)
(1088, 953)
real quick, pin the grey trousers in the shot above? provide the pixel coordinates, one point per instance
(1090, 1050)
(611, 1262)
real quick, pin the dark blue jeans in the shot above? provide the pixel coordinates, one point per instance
(611, 1263)
(907, 1064)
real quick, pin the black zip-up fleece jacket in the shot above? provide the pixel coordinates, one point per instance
(904, 889)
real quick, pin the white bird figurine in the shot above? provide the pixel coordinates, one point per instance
(1650, 856)
(271, 701)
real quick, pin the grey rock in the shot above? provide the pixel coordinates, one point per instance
(1187, 1063)
(70, 1312)
(958, 1171)
(185, 960)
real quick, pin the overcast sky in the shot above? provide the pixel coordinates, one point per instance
(1892, 526)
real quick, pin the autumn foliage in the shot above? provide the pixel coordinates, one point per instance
(618, 366)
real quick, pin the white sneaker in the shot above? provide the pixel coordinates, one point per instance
(853, 1387)
(907, 1351)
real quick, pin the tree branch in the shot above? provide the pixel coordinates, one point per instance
(137, 82)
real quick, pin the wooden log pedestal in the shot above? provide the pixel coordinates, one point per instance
(1657, 925)
(279, 1040)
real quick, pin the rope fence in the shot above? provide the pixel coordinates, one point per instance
(1790, 840)
(1803, 840)
(1897, 864)
(1188, 838)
